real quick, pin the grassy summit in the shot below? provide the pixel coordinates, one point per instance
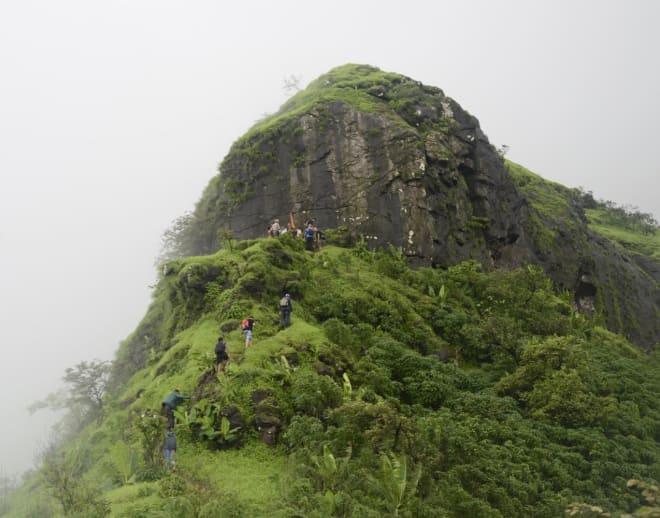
(363, 87)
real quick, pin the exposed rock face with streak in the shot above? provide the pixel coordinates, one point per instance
(400, 163)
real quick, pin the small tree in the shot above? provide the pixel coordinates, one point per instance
(291, 84)
(62, 472)
(87, 383)
(149, 432)
(7, 485)
(177, 240)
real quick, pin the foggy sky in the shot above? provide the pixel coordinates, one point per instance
(114, 116)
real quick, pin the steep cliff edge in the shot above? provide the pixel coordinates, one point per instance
(400, 163)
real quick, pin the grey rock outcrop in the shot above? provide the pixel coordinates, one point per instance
(400, 163)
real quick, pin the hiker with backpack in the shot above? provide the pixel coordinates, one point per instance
(309, 237)
(169, 404)
(247, 325)
(221, 356)
(169, 448)
(286, 308)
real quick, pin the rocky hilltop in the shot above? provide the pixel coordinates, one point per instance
(469, 389)
(398, 162)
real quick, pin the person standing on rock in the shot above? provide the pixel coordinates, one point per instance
(309, 237)
(275, 228)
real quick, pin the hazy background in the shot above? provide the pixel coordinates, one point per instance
(115, 114)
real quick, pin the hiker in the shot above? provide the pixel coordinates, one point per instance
(247, 327)
(170, 403)
(309, 237)
(286, 307)
(274, 228)
(221, 356)
(169, 447)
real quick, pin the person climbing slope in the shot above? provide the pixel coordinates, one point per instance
(169, 448)
(221, 356)
(170, 403)
(247, 326)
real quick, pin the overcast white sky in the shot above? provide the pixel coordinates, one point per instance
(115, 114)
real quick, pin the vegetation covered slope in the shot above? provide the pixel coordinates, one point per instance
(626, 229)
(606, 256)
(395, 392)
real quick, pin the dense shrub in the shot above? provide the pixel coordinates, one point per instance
(360, 424)
(304, 432)
(312, 394)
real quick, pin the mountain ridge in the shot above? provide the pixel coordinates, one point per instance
(405, 386)
(498, 397)
(386, 157)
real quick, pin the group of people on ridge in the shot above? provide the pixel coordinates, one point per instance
(275, 230)
(311, 233)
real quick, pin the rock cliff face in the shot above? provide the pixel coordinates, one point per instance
(400, 163)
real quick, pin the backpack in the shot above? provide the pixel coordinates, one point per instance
(284, 302)
(221, 351)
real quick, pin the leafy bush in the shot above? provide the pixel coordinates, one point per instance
(180, 507)
(428, 388)
(311, 394)
(173, 485)
(304, 432)
(228, 506)
(338, 332)
(357, 424)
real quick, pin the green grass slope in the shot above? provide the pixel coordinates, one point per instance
(555, 208)
(613, 248)
(635, 232)
(395, 392)
(632, 239)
